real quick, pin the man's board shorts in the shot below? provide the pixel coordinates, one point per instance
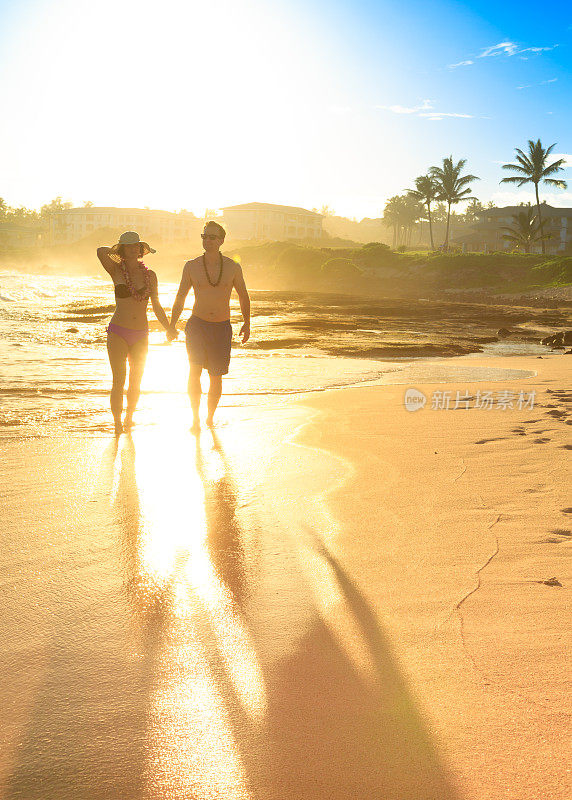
(208, 344)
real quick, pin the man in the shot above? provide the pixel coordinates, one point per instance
(208, 330)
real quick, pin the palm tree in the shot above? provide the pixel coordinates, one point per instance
(451, 186)
(526, 230)
(532, 168)
(401, 212)
(425, 192)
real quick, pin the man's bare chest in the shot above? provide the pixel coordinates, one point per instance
(212, 280)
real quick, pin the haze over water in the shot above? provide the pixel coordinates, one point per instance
(55, 369)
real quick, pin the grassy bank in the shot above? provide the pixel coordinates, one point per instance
(375, 268)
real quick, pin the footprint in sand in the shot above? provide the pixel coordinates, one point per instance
(484, 441)
(526, 421)
(566, 510)
(542, 440)
(561, 531)
(566, 446)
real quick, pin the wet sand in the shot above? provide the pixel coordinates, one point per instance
(330, 598)
(451, 523)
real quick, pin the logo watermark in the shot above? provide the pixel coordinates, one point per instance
(414, 399)
(503, 399)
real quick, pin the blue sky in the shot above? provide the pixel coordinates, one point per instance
(181, 105)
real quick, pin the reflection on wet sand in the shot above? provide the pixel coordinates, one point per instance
(86, 735)
(215, 664)
(231, 719)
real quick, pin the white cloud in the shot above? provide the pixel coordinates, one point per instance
(537, 49)
(512, 49)
(425, 106)
(461, 64)
(437, 115)
(508, 48)
(424, 110)
(541, 83)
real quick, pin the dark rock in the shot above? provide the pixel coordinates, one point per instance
(558, 339)
(503, 332)
(552, 582)
(72, 330)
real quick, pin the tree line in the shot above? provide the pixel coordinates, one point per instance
(446, 186)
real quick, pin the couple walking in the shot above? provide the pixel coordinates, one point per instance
(208, 331)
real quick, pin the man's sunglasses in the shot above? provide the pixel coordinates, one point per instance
(210, 236)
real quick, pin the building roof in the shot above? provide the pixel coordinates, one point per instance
(271, 207)
(513, 210)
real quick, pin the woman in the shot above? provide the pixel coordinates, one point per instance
(128, 331)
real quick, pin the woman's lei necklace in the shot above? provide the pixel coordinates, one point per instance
(216, 283)
(137, 294)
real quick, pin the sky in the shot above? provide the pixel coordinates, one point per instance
(184, 104)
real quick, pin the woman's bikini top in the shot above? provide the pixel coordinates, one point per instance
(122, 290)
(126, 289)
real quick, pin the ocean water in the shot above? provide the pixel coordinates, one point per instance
(54, 370)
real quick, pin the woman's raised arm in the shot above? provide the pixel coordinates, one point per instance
(109, 265)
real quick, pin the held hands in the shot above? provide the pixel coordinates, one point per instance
(245, 332)
(171, 333)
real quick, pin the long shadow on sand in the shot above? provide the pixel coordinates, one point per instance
(328, 733)
(86, 737)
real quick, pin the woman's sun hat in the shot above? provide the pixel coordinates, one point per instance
(129, 237)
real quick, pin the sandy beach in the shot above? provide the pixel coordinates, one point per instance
(333, 597)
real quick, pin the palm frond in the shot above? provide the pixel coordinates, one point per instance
(515, 179)
(556, 182)
(515, 168)
(526, 163)
(556, 166)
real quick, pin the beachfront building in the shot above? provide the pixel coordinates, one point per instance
(17, 237)
(269, 221)
(487, 234)
(168, 227)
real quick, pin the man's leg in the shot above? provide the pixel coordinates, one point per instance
(195, 392)
(215, 391)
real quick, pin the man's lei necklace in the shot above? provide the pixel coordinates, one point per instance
(216, 283)
(137, 294)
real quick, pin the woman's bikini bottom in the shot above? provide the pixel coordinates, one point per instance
(130, 335)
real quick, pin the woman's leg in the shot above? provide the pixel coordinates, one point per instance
(117, 352)
(137, 358)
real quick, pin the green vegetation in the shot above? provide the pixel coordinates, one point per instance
(526, 230)
(375, 269)
(533, 168)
